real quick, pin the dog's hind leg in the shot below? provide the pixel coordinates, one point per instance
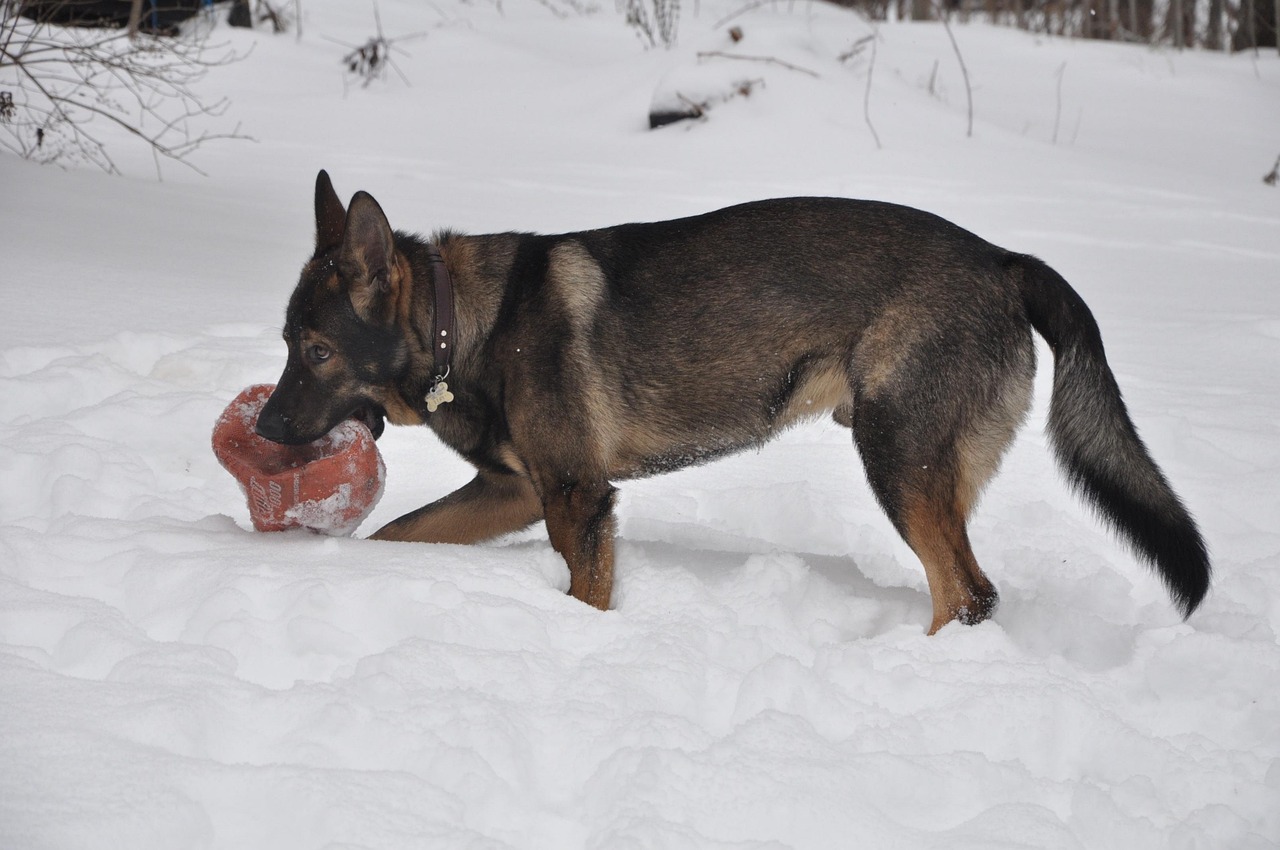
(930, 441)
(491, 505)
(918, 490)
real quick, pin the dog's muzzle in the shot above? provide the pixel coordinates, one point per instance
(274, 427)
(278, 428)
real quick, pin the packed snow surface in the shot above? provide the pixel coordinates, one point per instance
(171, 679)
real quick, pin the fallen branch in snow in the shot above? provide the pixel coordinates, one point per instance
(716, 54)
(696, 110)
(690, 109)
(855, 48)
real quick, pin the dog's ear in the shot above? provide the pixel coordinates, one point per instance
(331, 218)
(368, 258)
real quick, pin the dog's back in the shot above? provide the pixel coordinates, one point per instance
(700, 336)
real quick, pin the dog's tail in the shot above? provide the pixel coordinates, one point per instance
(1097, 446)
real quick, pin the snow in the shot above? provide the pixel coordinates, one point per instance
(171, 679)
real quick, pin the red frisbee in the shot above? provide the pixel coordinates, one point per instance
(328, 486)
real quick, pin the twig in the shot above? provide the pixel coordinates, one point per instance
(1057, 114)
(699, 109)
(968, 90)
(559, 13)
(716, 54)
(1272, 177)
(371, 59)
(750, 7)
(866, 97)
(855, 48)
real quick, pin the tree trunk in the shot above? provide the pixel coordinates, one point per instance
(240, 15)
(135, 18)
(1257, 27)
(1213, 33)
(1144, 23)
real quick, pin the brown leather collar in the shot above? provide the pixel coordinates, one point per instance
(443, 331)
(443, 328)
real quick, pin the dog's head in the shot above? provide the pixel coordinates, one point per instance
(344, 326)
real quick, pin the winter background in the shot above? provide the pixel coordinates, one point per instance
(171, 679)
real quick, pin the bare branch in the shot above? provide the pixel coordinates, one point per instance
(964, 71)
(60, 86)
(866, 97)
(1057, 112)
(716, 54)
(750, 7)
(370, 60)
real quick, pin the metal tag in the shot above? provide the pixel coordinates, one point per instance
(438, 395)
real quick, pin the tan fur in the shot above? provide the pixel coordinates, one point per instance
(824, 388)
(587, 546)
(402, 287)
(399, 411)
(490, 506)
(363, 296)
(332, 283)
(981, 448)
(887, 346)
(507, 454)
(958, 587)
(576, 281)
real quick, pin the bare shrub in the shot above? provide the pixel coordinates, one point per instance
(61, 86)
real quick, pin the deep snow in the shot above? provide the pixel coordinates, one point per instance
(171, 679)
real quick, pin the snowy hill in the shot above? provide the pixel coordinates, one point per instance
(170, 679)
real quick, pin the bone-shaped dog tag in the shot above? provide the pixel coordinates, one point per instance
(438, 395)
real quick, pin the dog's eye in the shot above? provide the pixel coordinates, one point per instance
(318, 353)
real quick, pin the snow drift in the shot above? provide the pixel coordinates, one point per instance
(171, 679)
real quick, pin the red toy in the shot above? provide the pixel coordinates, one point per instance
(328, 486)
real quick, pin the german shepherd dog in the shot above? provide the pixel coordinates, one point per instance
(575, 361)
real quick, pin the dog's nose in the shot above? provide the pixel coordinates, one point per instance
(271, 426)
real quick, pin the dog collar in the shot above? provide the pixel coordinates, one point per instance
(443, 330)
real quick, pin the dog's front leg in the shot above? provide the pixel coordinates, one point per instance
(581, 526)
(491, 505)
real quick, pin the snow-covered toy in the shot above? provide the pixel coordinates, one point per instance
(328, 486)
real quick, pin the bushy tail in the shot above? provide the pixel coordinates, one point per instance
(1097, 445)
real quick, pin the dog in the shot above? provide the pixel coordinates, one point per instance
(560, 365)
